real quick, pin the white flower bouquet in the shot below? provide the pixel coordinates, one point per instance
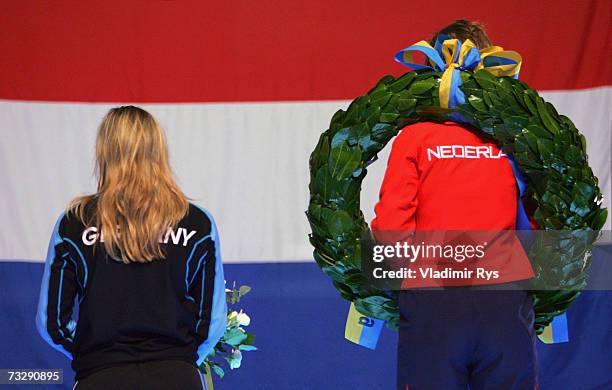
(234, 341)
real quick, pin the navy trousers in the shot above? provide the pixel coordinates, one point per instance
(465, 338)
(151, 375)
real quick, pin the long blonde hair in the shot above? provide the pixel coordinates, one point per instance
(137, 199)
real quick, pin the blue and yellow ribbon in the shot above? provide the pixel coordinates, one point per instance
(556, 332)
(362, 330)
(451, 56)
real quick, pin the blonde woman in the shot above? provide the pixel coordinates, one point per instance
(141, 263)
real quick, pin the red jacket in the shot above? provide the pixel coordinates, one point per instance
(444, 176)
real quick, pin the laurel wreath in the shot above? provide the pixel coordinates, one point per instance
(547, 148)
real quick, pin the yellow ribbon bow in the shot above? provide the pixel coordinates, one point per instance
(451, 56)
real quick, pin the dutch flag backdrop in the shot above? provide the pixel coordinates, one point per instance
(243, 90)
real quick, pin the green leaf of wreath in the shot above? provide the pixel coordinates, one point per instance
(344, 160)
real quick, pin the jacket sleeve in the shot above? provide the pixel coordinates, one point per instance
(57, 294)
(398, 198)
(208, 292)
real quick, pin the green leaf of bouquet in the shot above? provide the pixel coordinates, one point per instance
(244, 347)
(235, 337)
(244, 290)
(250, 339)
(218, 370)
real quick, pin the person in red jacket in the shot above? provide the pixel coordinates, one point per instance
(449, 177)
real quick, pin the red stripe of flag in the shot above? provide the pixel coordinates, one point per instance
(193, 51)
